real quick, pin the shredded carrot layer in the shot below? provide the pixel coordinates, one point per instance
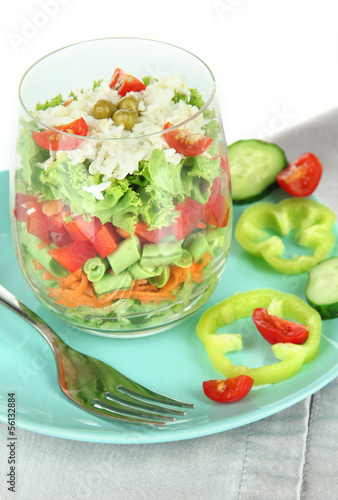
(75, 290)
(196, 269)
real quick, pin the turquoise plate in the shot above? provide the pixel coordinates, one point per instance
(173, 362)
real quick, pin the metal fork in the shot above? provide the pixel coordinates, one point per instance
(94, 385)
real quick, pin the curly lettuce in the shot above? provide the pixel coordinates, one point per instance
(150, 194)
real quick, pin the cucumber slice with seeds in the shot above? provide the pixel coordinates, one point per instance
(322, 288)
(254, 165)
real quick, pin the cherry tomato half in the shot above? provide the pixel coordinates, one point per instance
(277, 330)
(186, 143)
(229, 390)
(124, 83)
(301, 177)
(53, 141)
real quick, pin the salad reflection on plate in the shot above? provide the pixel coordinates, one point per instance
(121, 194)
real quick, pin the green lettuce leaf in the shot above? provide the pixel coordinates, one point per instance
(162, 174)
(194, 99)
(197, 175)
(157, 208)
(161, 185)
(65, 180)
(55, 101)
(28, 177)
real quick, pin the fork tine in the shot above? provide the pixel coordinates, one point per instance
(138, 404)
(116, 414)
(142, 416)
(149, 395)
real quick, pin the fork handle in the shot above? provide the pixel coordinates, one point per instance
(10, 301)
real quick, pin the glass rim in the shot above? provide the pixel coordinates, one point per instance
(103, 139)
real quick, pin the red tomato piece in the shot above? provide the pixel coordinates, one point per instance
(37, 222)
(155, 235)
(53, 141)
(277, 330)
(57, 231)
(56, 224)
(124, 83)
(60, 239)
(73, 256)
(215, 211)
(301, 177)
(190, 217)
(105, 239)
(82, 230)
(20, 210)
(186, 143)
(229, 390)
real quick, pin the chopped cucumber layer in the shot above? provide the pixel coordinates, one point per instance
(254, 165)
(322, 289)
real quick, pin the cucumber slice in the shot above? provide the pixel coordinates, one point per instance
(322, 288)
(254, 165)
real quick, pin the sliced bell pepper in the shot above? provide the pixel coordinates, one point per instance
(105, 239)
(73, 256)
(311, 221)
(82, 230)
(241, 305)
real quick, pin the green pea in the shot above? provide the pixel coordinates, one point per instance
(127, 117)
(103, 109)
(128, 102)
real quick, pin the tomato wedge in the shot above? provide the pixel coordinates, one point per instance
(277, 330)
(73, 256)
(301, 177)
(53, 141)
(124, 83)
(229, 390)
(186, 143)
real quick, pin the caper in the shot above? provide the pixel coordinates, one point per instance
(128, 102)
(127, 117)
(103, 109)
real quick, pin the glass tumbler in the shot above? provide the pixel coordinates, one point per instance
(121, 202)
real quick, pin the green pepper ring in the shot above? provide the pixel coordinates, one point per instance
(312, 221)
(241, 305)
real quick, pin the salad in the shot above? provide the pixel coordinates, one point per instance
(123, 219)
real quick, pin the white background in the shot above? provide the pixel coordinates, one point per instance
(275, 61)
